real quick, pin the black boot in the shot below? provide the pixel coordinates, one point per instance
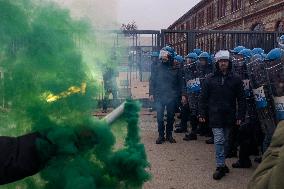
(232, 154)
(258, 160)
(245, 165)
(180, 130)
(160, 140)
(171, 139)
(226, 169)
(189, 137)
(219, 173)
(210, 141)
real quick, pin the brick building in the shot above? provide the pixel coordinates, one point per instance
(227, 15)
(247, 15)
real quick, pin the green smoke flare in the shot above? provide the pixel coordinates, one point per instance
(41, 55)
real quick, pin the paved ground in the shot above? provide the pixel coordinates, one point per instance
(185, 165)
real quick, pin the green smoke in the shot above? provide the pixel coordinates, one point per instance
(43, 54)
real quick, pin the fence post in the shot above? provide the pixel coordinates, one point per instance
(162, 38)
(191, 41)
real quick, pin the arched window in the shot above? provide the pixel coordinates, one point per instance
(280, 26)
(258, 27)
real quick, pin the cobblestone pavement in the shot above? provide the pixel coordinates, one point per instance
(185, 165)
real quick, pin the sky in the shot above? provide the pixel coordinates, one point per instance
(152, 14)
(148, 14)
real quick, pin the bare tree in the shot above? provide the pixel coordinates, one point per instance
(132, 26)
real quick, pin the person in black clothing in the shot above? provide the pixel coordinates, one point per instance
(205, 68)
(110, 87)
(19, 158)
(190, 93)
(154, 64)
(27, 155)
(165, 88)
(246, 132)
(194, 76)
(218, 98)
(183, 104)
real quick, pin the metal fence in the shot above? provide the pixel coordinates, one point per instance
(213, 40)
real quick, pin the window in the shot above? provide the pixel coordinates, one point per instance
(200, 19)
(194, 22)
(210, 14)
(258, 27)
(236, 5)
(221, 8)
(280, 26)
(188, 25)
(254, 1)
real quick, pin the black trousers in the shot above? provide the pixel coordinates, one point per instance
(248, 140)
(185, 115)
(233, 140)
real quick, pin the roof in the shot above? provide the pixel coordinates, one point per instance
(194, 9)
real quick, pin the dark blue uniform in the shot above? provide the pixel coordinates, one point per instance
(194, 76)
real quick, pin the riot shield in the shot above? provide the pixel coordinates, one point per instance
(191, 77)
(275, 73)
(257, 73)
(261, 90)
(193, 85)
(263, 97)
(204, 71)
(239, 68)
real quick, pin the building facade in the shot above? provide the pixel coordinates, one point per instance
(210, 16)
(246, 15)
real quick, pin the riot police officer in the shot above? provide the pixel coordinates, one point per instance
(281, 42)
(154, 65)
(246, 139)
(184, 106)
(191, 92)
(274, 71)
(197, 51)
(205, 68)
(258, 51)
(167, 84)
(236, 50)
(240, 56)
(269, 173)
(194, 78)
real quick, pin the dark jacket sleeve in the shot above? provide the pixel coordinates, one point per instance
(181, 83)
(241, 101)
(18, 158)
(153, 79)
(203, 99)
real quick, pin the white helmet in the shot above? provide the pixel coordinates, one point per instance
(222, 55)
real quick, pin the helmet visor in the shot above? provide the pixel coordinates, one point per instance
(164, 55)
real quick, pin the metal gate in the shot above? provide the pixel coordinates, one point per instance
(141, 43)
(214, 40)
(135, 63)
